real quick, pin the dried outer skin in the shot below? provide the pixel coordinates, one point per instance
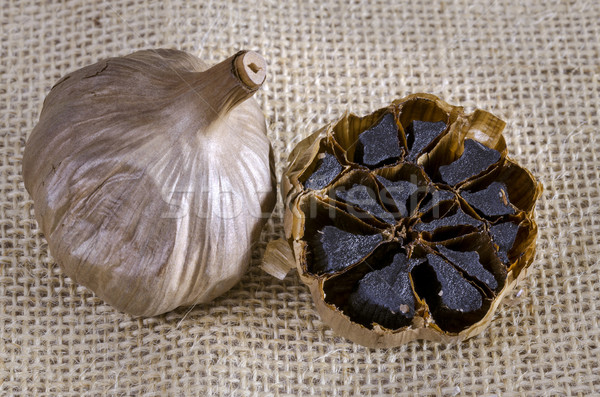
(127, 168)
(479, 126)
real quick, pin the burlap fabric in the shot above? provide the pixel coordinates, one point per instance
(536, 65)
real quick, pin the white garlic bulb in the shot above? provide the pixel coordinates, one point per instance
(152, 176)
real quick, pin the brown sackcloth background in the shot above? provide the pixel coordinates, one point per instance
(533, 63)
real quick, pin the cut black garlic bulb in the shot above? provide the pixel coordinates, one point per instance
(152, 176)
(409, 223)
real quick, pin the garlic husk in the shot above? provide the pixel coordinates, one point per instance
(152, 176)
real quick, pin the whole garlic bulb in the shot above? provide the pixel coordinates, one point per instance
(152, 176)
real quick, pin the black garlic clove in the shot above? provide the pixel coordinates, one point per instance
(365, 198)
(384, 296)
(327, 169)
(470, 263)
(401, 192)
(475, 159)
(491, 201)
(459, 218)
(455, 292)
(336, 249)
(504, 235)
(379, 145)
(434, 197)
(419, 134)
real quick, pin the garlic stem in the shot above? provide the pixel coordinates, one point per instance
(251, 69)
(227, 84)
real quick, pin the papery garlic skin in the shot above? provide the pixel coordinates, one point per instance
(131, 168)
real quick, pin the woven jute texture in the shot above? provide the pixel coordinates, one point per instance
(533, 63)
